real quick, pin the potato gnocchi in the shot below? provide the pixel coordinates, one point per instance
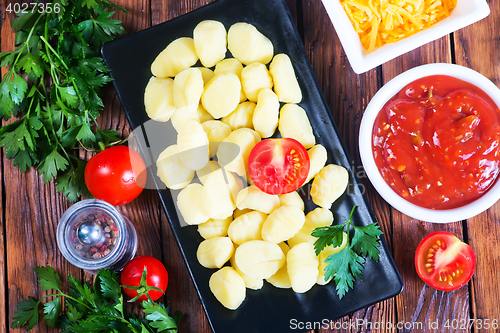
(221, 109)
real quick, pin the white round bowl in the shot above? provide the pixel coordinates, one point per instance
(365, 143)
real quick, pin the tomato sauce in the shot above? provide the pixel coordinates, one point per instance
(436, 143)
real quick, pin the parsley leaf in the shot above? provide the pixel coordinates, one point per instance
(159, 318)
(27, 312)
(91, 308)
(52, 311)
(347, 264)
(54, 83)
(48, 278)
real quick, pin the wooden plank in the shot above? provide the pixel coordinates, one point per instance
(32, 210)
(182, 295)
(418, 303)
(6, 41)
(347, 95)
(477, 47)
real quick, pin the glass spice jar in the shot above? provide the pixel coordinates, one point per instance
(93, 235)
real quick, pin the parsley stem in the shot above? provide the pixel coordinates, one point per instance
(26, 42)
(60, 293)
(348, 223)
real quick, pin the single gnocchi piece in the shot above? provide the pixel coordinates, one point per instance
(171, 171)
(192, 142)
(329, 250)
(176, 57)
(218, 194)
(282, 224)
(259, 259)
(317, 160)
(265, 116)
(231, 65)
(228, 287)
(286, 85)
(246, 227)
(293, 123)
(216, 131)
(184, 115)
(189, 204)
(253, 198)
(215, 252)
(248, 45)
(210, 41)
(159, 99)
(214, 227)
(203, 173)
(302, 266)
(234, 150)
(280, 279)
(291, 199)
(254, 78)
(221, 95)
(206, 73)
(203, 115)
(329, 184)
(238, 212)
(319, 217)
(188, 87)
(250, 283)
(241, 117)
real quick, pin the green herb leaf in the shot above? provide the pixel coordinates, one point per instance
(347, 264)
(72, 183)
(52, 311)
(48, 278)
(52, 164)
(27, 312)
(365, 241)
(159, 318)
(342, 266)
(55, 78)
(109, 286)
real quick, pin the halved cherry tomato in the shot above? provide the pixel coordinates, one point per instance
(444, 262)
(278, 166)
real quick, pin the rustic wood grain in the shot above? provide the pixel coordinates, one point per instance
(478, 47)
(4, 300)
(347, 95)
(31, 212)
(31, 209)
(417, 303)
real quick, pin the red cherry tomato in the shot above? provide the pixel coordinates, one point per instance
(278, 166)
(116, 175)
(157, 277)
(444, 262)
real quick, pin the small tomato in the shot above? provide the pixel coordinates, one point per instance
(143, 278)
(116, 175)
(444, 262)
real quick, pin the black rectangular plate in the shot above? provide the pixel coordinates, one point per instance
(269, 309)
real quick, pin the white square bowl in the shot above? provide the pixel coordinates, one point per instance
(465, 13)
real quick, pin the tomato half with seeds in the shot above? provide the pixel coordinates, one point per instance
(444, 262)
(278, 166)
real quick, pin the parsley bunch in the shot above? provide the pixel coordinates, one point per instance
(344, 265)
(53, 86)
(91, 309)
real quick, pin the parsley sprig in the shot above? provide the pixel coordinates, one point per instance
(52, 87)
(97, 308)
(346, 264)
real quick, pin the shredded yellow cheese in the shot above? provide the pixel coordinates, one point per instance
(379, 22)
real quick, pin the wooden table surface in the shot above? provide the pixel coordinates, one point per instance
(30, 210)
